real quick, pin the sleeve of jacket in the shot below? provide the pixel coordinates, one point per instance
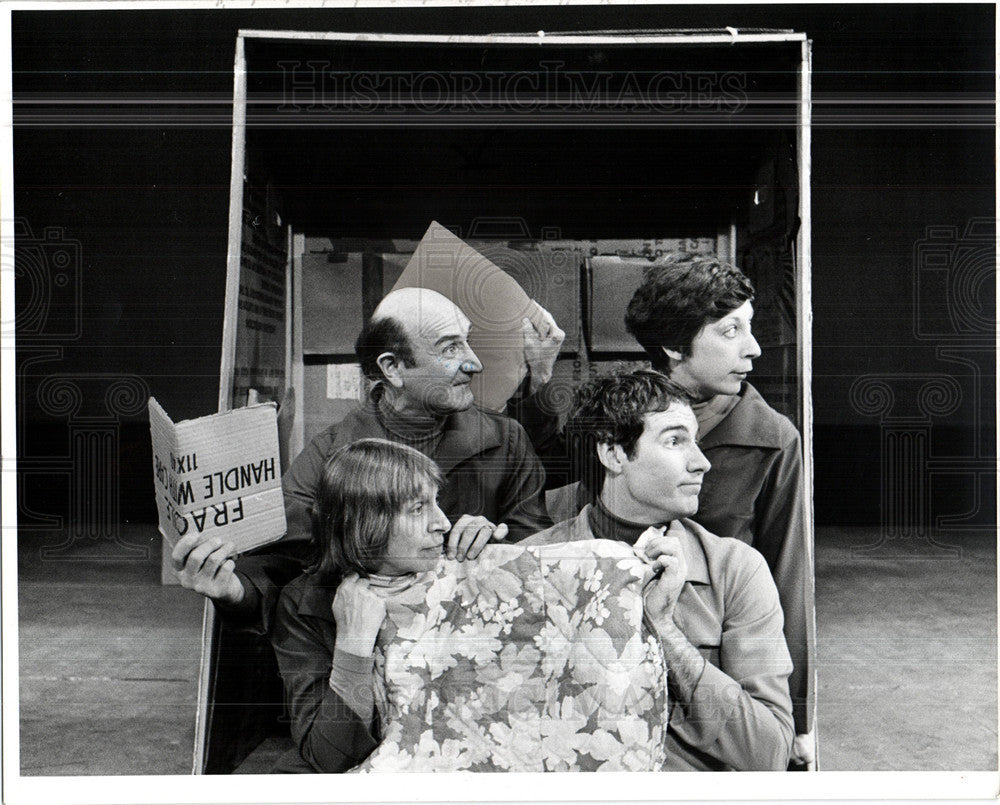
(740, 712)
(522, 504)
(267, 570)
(330, 736)
(782, 537)
(538, 414)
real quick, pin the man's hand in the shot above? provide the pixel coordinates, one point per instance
(469, 535)
(205, 567)
(662, 592)
(541, 348)
(358, 612)
(804, 749)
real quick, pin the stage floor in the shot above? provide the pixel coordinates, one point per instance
(906, 643)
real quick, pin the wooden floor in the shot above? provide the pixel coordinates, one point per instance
(907, 647)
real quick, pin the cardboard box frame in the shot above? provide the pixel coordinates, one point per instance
(729, 37)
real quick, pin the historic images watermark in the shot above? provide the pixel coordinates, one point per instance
(317, 86)
(48, 276)
(954, 270)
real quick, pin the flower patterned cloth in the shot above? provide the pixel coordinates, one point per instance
(528, 659)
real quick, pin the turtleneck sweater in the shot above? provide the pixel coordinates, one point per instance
(351, 674)
(606, 525)
(422, 433)
(712, 411)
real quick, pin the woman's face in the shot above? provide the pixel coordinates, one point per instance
(417, 538)
(721, 357)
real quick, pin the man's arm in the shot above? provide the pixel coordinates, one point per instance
(330, 735)
(738, 713)
(536, 403)
(522, 503)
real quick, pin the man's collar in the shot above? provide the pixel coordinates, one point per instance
(466, 434)
(694, 553)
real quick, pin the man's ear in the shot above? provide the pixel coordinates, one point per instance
(611, 456)
(390, 366)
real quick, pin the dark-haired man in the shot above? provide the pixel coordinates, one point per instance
(714, 606)
(415, 350)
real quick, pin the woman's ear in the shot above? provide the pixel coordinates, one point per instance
(611, 456)
(675, 356)
(389, 365)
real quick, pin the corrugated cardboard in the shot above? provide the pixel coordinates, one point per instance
(219, 476)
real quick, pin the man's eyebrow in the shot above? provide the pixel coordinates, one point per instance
(450, 337)
(669, 428)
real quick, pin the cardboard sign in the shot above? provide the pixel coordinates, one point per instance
(219, 476)
(490, 298)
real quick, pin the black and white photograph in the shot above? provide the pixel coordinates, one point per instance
(421, 391)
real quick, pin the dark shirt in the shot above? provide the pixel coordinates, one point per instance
(329, 735)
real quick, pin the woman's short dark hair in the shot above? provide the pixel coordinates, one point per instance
(384, 334)
(680, 296)
(363, 487)
(611, 410)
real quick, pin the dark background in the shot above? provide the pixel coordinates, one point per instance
(903, 141)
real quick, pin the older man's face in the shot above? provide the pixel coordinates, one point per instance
(444, 362)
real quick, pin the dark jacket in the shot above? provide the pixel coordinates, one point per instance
(329, 735)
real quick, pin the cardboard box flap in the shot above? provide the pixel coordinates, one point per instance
(219, 475)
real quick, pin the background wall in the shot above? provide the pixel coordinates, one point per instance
(121, 170)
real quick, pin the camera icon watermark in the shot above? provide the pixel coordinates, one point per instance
(48, 285)
(954, 274)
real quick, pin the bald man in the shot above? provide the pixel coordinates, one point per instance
(416, 352)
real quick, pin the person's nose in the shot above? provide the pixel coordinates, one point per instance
(697, 462)
(751, 349)
(470, 363)
(439, 522)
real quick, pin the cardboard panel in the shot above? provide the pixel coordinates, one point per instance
(219, 476)
(494, 302)
(259, 350)
(332, 299)
(550, 277)
(329, 394)
(392, 269)
(613, 280)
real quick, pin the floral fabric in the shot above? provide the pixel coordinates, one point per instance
(528, 659)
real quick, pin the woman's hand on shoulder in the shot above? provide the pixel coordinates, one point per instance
(359, 613)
